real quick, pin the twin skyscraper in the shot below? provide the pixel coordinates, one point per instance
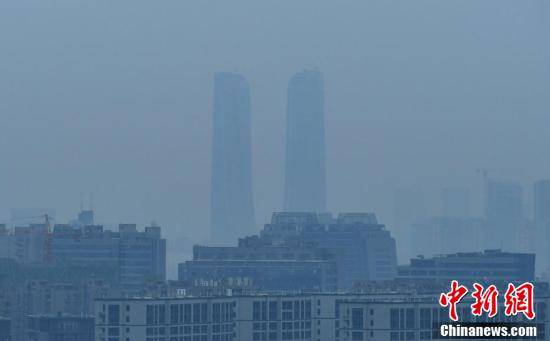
(232, 206)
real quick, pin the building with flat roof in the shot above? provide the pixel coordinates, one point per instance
(492, 266)
(291, 317)
(299, 251)
(60, 327)
(136, 256)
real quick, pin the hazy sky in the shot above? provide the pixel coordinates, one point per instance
(115, 98)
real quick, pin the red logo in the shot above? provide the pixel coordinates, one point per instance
(518, 300)
(452, 298)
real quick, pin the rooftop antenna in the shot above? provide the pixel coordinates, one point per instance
(91, 201)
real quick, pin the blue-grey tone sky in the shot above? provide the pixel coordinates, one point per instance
(115, 98)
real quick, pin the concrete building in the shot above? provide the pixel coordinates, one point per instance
(136, 256)
(232, 208)
(297, 251)
(303, 317)
(305, 178)
(285, 267)
(492, 266)
(24, 244)
(542, 224)
(504, 215)
(60, 328)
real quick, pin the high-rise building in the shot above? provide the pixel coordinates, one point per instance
(135, 256)
(305, 178)
(542, 223)
(232, 208)
(504, 214)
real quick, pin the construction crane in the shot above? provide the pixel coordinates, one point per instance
(47, 244)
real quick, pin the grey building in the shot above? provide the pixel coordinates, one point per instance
(299, 317)
(297, 251)
(24, 244)
(270, 267)
(232, 209)
(542, 224)
(135, 256)
(363, 248)
(305, 178)
(504, 214)
(492, 266)
(60, 328)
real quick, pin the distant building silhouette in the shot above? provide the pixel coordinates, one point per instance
(471, 267)
(542, 223)
(305, 188)
(298, 251)
(60, 327)
(505, 221)
(232, 208)
(409, 207)
(136, 256)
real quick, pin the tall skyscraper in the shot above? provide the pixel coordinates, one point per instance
(542, 224)
(232, 208)
(305, 178)
(505, 221)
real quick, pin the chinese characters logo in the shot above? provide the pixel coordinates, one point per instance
(517, 300)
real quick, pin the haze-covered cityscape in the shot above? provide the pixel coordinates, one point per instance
(245, 171)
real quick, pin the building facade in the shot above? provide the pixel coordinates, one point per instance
(303, 251)
(305, 178)
(232, 208)
(60, 328)
(504, 215)
(300, 317)
(135, 256)
(492, 266)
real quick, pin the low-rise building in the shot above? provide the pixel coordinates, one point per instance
(311, 317)
(60, 327)
(493, 266)
(303, 251)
